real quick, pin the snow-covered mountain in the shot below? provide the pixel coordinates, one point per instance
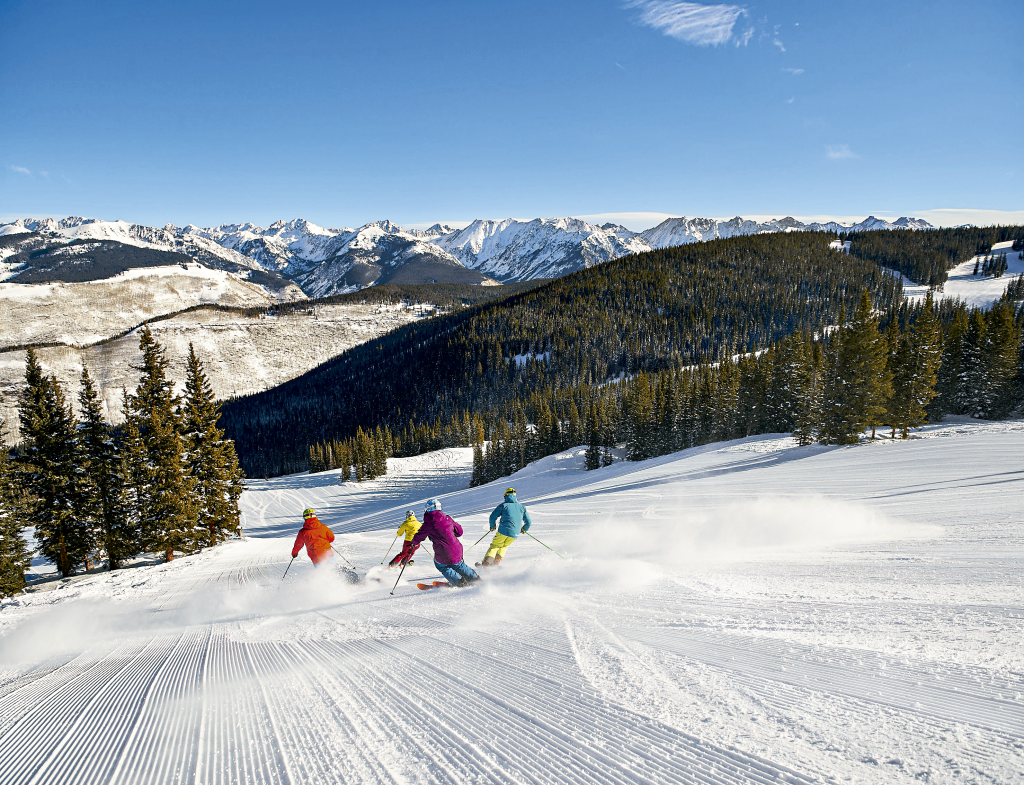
(332, 261)
(512, 250)
(680, 231)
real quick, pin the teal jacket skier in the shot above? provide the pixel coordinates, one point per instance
(515, 519)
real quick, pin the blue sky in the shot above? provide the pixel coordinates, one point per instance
(344, 113)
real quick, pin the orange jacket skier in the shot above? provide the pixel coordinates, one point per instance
(316, 537)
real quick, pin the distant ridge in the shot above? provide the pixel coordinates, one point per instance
(327, 262)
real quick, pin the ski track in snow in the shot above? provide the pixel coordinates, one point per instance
(749, 612)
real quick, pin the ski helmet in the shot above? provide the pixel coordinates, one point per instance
(308, 513)
(510, 491)
(432, 504)
(410, 514)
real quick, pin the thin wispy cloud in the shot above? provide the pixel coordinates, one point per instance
(21, 170)
(693, 23)
(838, 151)
(777, 41)
(794, 71)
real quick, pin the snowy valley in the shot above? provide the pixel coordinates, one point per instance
(748, 611)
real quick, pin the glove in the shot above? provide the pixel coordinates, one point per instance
(492, 528)
(522, 530)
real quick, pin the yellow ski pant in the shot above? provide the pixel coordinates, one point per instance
(499, 545)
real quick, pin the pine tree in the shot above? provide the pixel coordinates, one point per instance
(114, 529)
(14, 557)
(947, 400)
(805, 390)
(915, 371)
(210, 458)
(49, 470)
(1001, 354)
(860, 384)
(970, 396)
(593, 457)
(166, 505)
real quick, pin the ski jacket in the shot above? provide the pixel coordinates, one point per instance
(514, 517)
(317, 538)
(409, 527)
(444, 533)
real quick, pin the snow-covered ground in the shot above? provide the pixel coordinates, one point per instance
(975, 290)
(81, 313)
(751, 611)
(241, 353)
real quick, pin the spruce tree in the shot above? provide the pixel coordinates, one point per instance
(805, 380)
(166, 503)
(14, 557)
(49, 470)
(916, 371)
(971, 393)
(860, 385)
(947, 400)
(115, 530)
(210, 458)
(1001, 354)
(593, 457)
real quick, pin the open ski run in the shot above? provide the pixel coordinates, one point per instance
(751, 611)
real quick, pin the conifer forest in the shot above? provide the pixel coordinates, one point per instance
(657, 352)
(637, 357)
(164, 482)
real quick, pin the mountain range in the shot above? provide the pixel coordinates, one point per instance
(293, 259)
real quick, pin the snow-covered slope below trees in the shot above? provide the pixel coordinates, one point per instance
(751, 612)
(80, 313)
(242, 354)
(976, 290)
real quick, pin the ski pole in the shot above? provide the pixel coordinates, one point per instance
(392, 545)
(560, 556)
(287, 568)
(350, 564)
(478, 541)
(399, 578)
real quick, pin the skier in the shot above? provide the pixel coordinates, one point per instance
(316, 537)
(409, 528)
(444, 532)
(514, 521)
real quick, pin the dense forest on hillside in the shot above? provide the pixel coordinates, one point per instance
(443, 295)
(926, 257)
(88, 260)
(645, 313)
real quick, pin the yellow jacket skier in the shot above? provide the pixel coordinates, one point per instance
(409, 528)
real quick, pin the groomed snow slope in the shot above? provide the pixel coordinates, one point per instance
(751, 611)
(975, 290)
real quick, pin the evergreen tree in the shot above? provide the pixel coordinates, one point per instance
(915, 372)
(947, 399)
(593, 457)
(14, 557)
(114, 526)
(210, 458)
(861, 385)
(1001, 354)
(970, 395)
(166, 502)
(49, 471)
